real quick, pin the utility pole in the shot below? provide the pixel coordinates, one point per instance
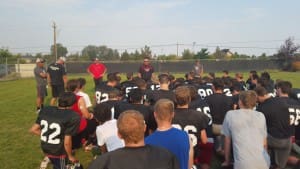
(54, 38)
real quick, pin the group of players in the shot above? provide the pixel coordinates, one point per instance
(193, 104)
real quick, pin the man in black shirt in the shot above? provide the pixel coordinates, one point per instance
(206, 150)
(127, 85)
(278, 126)
(163, 92)
(135, 154)
(136, 103)
(103, 89)
(57, 78)
(56, 126)
(219, 104)
(191, 121)
(146, 70)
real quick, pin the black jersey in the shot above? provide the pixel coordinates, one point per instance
(204, 90)
(102, 93)
(219, 104)
(235, 101)
(145, 110)
(277, 117)
(126, 86)
(153, 86)
(192, 122)
(55, 124)
(56, 72)
(111, 104)
(155, 95)
(227, 91)
(294, 110)
(295, 94)
(201, 106)
(145, 157)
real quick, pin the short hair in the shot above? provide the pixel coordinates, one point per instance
(255, 77)
(102, 112)
(72, 85)
(218, 83)
(129, 75)
(265, 75)
(164, 109)
(131, 126)
(236, 86)
(193, 92)
(183, 96)
(135, 95)
(225, 71)
(239, 75)
(66, 99)
(285, 86)
(147, 57)
(212, 74)
(172, 77)
(248, 98)
(141, 83)
(82, 82)
(260, 91)
(112, 77)
(253, 71)
(113, 93)
(163, 79)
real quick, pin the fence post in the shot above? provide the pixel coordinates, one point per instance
(18, 63)
(6, 67)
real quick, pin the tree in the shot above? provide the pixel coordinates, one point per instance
(218, 53)
(90, 51)
(202, 54)
(61, 50)
(287, 51)
(263, 56)
(145, 52)
(187, 54)
(4, 53)
(125, 56)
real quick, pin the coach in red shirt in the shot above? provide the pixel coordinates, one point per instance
(97, 70)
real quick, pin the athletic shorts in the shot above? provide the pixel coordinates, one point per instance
(57, 90)
(41, 91)
(206, 153)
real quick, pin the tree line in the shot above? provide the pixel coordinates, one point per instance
(287, 52)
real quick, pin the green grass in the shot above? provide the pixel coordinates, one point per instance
(21, 150)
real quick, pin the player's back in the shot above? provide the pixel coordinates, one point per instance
(155, 95)
(55, 124)
(102, 93)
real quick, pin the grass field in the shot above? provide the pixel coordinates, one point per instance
(21, 150)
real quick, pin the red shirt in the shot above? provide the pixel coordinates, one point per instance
(83, 122)
(97, 69)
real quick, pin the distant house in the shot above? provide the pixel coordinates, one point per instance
(227, 53)
(27, 59)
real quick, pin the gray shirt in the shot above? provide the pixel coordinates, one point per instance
(40, 81)
(247, 130)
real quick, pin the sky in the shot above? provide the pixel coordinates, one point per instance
(251, 27)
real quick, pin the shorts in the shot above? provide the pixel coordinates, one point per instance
(206, 153)
(41, 91)
(57, 90)
(279, 150)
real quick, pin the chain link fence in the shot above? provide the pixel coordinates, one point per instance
(9, 69)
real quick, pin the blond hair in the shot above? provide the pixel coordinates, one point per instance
(131, 126)
(164, 109)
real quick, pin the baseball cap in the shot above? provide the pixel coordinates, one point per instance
(40, 60)
(62, 58)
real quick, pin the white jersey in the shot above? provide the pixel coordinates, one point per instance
(107, 134)
(86, 98)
